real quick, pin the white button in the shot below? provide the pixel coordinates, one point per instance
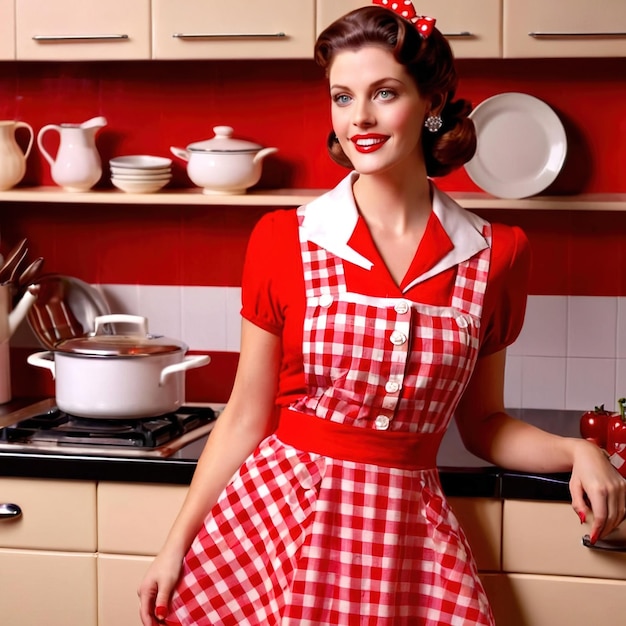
(391, 386)
(325, 300)
(382, 422)
(462, 322)
(401, 307)
(397, 338)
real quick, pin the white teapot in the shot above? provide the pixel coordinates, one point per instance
(223, 165)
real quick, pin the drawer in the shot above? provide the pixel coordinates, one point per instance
(545, 538)
(56, 514)
(527, 600)
(136, 518)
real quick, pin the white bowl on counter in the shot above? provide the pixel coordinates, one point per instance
(139, 186)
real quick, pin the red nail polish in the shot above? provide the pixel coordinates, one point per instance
(593, 538)
(160, 612)
(582, 516)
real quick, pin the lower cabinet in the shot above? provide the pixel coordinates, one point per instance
(118, 579)
(133, 522)
(540, 600)
(48, 554)
(78, 552)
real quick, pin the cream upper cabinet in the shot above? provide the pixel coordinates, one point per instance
(564, 28)
(473, 27)
(249, 29)
(7, 30)
(82, 29)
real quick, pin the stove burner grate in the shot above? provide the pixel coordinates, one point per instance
(64, 429)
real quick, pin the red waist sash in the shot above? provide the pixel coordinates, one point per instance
(415, 451)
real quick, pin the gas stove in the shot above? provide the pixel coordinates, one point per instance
(42, 427)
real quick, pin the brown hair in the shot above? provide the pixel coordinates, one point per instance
(431, 64)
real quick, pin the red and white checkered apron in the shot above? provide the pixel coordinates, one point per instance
(304, 538)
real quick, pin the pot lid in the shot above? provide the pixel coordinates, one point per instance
(223, 142)
(101, 343)
(119, 346)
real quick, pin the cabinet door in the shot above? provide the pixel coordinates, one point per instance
(526, 600)
(56, 514)
(7, 30)
(473, 27)
(82, 29)
(481, 519)
(55, 589)
(545, 538)
(213, 29)
(118, 579)
(564, 28)
(135, 518)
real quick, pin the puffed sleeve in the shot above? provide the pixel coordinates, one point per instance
(271, 249)
(507, 288)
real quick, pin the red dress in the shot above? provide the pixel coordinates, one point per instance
(316, 529)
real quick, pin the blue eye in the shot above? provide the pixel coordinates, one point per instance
(342, 99)
(386, 94)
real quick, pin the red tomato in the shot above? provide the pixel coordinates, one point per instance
(616, 433)
(594, 425)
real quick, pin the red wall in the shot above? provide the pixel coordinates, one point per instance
(153, 105)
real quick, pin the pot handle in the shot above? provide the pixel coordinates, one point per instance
(188, 363)
(121, 318)
(42, 359)
(180, 153)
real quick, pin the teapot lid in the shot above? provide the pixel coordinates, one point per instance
(223, 142)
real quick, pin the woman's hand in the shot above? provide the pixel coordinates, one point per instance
(597, 487)
(156, 588)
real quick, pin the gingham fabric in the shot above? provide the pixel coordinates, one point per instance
(300, 538)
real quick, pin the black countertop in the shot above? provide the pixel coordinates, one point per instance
(462, 474)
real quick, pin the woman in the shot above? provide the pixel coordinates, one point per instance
(370, 316)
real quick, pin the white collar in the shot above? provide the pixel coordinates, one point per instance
(330, 220)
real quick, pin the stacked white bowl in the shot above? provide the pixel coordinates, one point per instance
(140, 173)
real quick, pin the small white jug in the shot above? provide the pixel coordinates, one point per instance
(77, 166)
(12, 159)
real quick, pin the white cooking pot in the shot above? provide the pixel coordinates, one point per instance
(223, 165)
(111, 376)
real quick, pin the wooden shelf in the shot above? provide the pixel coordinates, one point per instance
(296, 197)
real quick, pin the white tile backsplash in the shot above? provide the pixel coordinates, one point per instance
(591, 327)
(543, 382)
(545, 330)
(571, 353)
(590, 382)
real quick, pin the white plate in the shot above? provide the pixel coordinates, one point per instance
(139, 186)
(138, 171)
(521, 145)
(143, 161)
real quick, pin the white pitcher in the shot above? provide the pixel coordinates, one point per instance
(12, 159)
(77, 166)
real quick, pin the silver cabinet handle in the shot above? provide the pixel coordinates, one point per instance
(79, 37)
(614, 545)
(229, 35)
(459, 35)
(557, 35)
(9, 511)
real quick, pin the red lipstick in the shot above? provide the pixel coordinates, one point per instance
(369, 142)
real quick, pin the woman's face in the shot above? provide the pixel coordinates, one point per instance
(377, 111)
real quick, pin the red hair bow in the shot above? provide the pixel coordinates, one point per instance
(405, 9)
